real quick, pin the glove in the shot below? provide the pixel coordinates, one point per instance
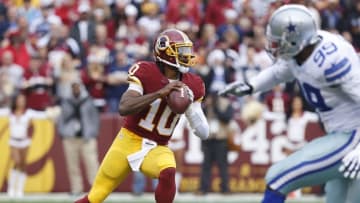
(236, 88)
(350, 166)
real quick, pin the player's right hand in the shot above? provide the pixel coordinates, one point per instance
(350, 166)
(175, 85)
(236, 88)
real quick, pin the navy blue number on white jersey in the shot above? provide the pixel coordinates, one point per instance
(314, 98)
(313, 94)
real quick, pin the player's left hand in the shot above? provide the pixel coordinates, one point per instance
(350, 166)
(189, 92)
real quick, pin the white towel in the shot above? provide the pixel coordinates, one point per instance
(135, 159)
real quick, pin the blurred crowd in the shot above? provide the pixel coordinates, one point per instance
(47, 47)
(48, 44)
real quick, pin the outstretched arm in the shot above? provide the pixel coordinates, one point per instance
(266, 80)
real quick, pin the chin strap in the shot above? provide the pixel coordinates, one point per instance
(182, 69)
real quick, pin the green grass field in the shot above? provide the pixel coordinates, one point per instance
(146, 202)
(148, 198)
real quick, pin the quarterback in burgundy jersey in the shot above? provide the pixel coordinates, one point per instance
(152, 80)
(141, 144)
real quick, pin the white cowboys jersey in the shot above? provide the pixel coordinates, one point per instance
(329, 78)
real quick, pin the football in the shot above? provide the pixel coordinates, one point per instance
(178, 101)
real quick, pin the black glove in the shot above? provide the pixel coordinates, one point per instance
(236, 88)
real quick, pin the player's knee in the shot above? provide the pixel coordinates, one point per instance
(167, 176)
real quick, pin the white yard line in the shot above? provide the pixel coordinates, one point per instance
(149, 197)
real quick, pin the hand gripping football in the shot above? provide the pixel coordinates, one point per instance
(178, 100)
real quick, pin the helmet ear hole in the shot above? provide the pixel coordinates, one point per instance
(293, 43)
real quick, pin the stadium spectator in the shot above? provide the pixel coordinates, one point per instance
(150, 22)
(218, 75)
(28, 11)
(331, 17)
(67, 11)
(78, 125)
(59, 44)
(207, 39)
(12, 16)
(38, 83)
(16, 43)
(188, 10)
(83, 30)
(41, 26)
(277, 100)
(4, 23)
(11, 70)
(67, 75)
(215, 12)
(353, 24)
(93, 76)
(6, 89)
(117, 80)
(130, 17)
(215, 149)
(231, 17)
(118, 11)
(248, 66)
(102, 40)
(101, 18)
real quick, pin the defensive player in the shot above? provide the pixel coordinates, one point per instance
(142, 142)
(328, 70)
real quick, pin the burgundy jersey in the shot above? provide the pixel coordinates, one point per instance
(157, 122)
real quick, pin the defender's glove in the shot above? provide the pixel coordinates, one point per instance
(236, 88)
(350, 166)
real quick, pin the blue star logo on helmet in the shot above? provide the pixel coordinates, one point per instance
(291, 28)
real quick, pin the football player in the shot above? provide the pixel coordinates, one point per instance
(141, 144)
(327, 69)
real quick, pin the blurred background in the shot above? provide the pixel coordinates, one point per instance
(46, 46)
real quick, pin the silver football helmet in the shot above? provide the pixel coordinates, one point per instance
(291, 28)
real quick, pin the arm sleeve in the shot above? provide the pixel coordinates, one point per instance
(179, 128)
(197, 120)
(271, 76)
(350, 84)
